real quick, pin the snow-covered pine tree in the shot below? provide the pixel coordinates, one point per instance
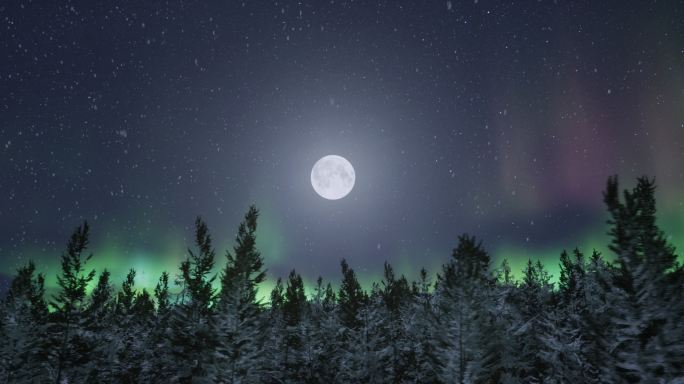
(354, 337)
(295, 312)
(497, 363)
(134, 318)
(362, 347)
(69, 342)
(396, 356)
(321, 348)
(238, 316)
(193, 335)
(419, 318)
(562, 330)
(462, 290)
(350, 298)
(161, 365)
(596, 321)
(100, 325)
(22, 318)
(647, 335)
(273, 342)
(101, 298)
(532, 305)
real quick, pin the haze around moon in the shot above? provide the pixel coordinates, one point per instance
(333, 177)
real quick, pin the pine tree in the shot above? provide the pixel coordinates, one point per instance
(532, 304)
(100, 298)
(644, 325)
(322, 348)
(101, 324)
(126, 295)
(132, 334)
(23, 314)
(161, 364)
(295, 311)
(565, 348)
(462, 290)
(70, 344)
(497, 362)
(273, 343)
(419, 321)
(161, 294)
(361, 348)
(396, 355)
(193, 332)
(239, 309)
(596, 321)
(350, 298)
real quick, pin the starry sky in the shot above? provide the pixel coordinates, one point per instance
(499, 119)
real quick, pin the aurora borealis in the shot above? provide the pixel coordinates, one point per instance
(499, 120)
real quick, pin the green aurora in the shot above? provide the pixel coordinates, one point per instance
(151, 262)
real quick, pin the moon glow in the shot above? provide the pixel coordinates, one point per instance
(333, 177)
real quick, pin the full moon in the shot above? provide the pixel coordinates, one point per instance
(333, 177)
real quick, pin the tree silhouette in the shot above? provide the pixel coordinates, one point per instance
(606, 321)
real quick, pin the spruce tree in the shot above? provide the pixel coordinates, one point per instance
(295, 311)
(239, 309)
(22, 317)
(497, 361)
(161, 294)
(193, 332)
(103, 325)
(644, 324)
(322, 348)
(126, 295)
(462, 291)
(71, 346)
(397, 355)
(130, 334)
(350, 298)
(161, 363)
(100, 298)
(419, 318)
(532, 302)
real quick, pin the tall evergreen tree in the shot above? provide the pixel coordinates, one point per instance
(532, 303)
(350, 297)
(419, 319)
(22, 317)
(126, 295)
(645, 327)
(295, 310)
(322, 348)
(100, 298)
(70, 344)
(193, 332)
(497, 362)
(161, 361)
(131, 331)
(463, 288)
(396, 354)
(161, 293)
(239, 309)
(102, 325)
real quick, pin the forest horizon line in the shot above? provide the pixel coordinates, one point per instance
(264, 290)
(606, 321)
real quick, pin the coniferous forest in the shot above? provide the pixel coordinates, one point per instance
(609, 319)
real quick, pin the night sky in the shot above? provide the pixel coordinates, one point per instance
(502, 120)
